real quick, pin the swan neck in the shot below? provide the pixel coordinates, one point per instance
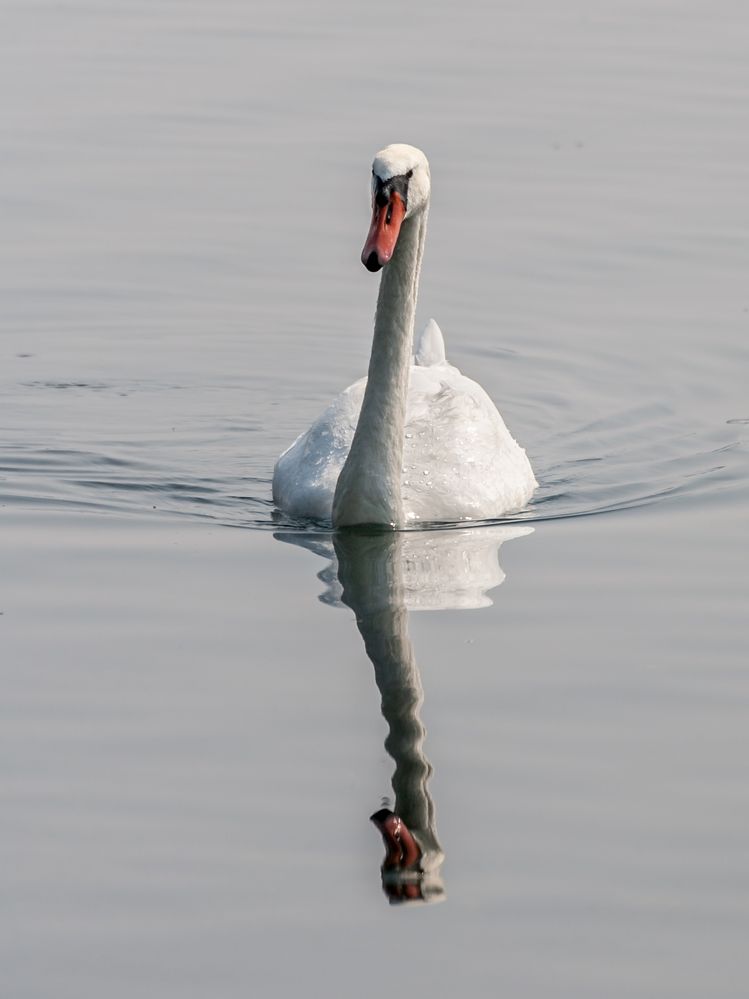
(399, 289)
(369, 486)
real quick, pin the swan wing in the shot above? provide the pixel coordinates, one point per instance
(460, 460)
(305, 475)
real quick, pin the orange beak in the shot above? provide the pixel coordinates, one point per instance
(383, 232)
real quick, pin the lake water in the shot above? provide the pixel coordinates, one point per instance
(196, 691)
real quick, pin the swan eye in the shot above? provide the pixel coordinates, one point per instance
(409, 175)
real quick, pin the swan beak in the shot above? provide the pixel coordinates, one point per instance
(387, 217)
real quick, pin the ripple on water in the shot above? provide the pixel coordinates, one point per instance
(65, 477)
(621, 461)
(600, 432)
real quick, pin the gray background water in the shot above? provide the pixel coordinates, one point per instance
(192, 740)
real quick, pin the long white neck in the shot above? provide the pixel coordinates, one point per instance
(369, 486)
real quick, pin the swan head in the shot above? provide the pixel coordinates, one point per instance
(400, 190)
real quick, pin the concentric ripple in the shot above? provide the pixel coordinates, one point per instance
(625, 460)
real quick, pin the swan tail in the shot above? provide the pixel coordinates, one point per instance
(430, 346)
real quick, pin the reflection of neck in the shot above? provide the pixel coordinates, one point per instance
(369, 486)
(397, 677)
(371, 575)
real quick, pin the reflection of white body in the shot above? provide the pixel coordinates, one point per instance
(435, 570)
(413, 442)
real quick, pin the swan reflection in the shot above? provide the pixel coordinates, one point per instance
(382, 576)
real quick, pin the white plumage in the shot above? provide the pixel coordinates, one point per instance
(460, 461)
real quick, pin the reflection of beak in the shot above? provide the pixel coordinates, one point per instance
(401, 849)
(387, 216)
(403, 879)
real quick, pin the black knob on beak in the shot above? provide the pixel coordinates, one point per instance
(372, 263)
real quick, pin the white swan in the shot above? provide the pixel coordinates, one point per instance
(415, 441)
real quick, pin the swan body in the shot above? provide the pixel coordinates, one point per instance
(460, 462)
(415, 441)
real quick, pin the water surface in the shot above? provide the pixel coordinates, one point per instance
(192, 683)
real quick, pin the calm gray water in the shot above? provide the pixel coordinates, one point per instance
(197, 692)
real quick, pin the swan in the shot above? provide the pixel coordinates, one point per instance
(415, 441)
